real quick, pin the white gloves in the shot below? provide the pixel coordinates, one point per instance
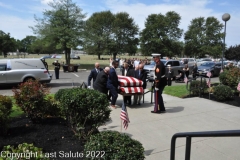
(89, 87)
(156, 89)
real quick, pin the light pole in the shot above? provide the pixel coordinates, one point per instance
(225, 18)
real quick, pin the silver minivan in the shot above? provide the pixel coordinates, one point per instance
(15, 71)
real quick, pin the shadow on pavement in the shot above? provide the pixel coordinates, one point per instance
(174, 109)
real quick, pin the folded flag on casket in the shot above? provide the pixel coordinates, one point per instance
(124, 116)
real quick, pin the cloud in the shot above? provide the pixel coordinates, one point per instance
(5, 5)
(187, 9)
(17, 27)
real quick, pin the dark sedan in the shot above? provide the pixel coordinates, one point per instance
(213, 67)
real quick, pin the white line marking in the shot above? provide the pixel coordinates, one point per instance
(75, 74)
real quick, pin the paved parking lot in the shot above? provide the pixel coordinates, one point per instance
(69, 79)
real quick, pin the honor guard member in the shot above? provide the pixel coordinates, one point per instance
(169, 75)
(160, 82)
(45, 63)
(56, 68)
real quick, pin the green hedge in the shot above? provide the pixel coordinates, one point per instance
(5, 111)
(115, 145)
(84, 109)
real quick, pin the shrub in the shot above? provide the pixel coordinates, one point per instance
(5, 111)
(115, 146)
(31, 97)
(230, 77)
(29, 151)
(84, 109)
(195, 87)
(223, 92)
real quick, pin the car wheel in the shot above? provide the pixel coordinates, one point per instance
(27, 79)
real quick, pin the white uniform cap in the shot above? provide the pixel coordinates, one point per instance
(156, 55)
(169, 65)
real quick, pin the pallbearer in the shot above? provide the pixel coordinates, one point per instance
(160, 82)
(169, 75)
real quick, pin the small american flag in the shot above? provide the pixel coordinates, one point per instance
(185, 80)
(209, 82)
(238, 87)
(209, 74)
(124, 116)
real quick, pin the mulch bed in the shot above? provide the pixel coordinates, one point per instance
(53, 135)
(235, 101)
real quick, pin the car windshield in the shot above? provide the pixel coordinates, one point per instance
(208, 64)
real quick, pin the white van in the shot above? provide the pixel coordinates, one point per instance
(15, 71)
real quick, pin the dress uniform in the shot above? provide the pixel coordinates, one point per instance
(169, 75)
(159, 83)
(56, 69)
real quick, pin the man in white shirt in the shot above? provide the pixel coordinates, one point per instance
(93, 74)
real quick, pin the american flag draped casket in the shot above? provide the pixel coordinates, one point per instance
(130, 85)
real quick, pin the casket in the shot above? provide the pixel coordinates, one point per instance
(131, 90)
(125, 81)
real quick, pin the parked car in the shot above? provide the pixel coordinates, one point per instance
(189, 61)
(203, 60)
(15, 71)
(74, 57)
(212, 67)
(46, 57)
(175, 65)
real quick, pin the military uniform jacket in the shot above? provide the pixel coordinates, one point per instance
(160, 79)
(57, 65)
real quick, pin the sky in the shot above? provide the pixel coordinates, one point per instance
(17, 15)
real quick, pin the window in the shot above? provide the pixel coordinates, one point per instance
(175, 63)
(2, 67)
(169, 63)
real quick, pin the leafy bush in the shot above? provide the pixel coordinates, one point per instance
(84, 109)
(230, 77)
(31, 97)
(115, 145)
(29, 151)
(223, 92)
(5, 111)
(196, 86)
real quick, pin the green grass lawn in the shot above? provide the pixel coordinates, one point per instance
(177, 91)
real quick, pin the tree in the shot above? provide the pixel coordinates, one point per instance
(161, 35)
(233, 53)
(62, 26)
(203, 37)
(26, 44)
(123, 37)
(7, 44)
(97, 32)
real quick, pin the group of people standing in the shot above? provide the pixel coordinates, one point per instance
(106, 81)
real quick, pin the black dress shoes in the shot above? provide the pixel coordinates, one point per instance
(155, 112)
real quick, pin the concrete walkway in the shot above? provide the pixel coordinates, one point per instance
(155, 131)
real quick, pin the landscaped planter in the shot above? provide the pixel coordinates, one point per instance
(70, 68)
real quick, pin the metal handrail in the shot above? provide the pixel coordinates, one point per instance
(189, 135)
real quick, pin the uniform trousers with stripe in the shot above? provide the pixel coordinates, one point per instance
(159, 104)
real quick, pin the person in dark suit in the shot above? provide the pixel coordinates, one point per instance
(169, 75)
(141, 75)
(93, 74)
(100, 83)
(112, 83)
(56, 68)
(194, 71)
(127, 71)
(160, 83)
